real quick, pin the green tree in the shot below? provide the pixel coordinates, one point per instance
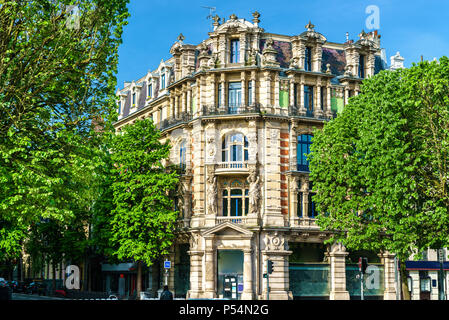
(380, 168)
(143, 216)
(57, 77)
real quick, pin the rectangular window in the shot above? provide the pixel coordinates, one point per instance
(119, 107)
(308, 59)
(235, 51)
(312, 206)
(362, 66)
(295, 94)
(150, 91)
(300, 204)
(163, 81)
(308, 99)
(234, 96)
(219, 95)
(250, 93)
(134, 99)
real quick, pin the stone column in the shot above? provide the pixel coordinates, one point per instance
(302, 109)
(223, 92)
(253, 88)
(346, 95)
(189, 100)
(389, 276)
(244, 89)
(292, 92)
(247, 275)
(337, 257)
(317, 108)
(275, 251)
(277, 85)
(293, 194)
(328, 107)
(196, 275)
(210, 270)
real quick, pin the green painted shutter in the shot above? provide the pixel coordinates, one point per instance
(283, 98)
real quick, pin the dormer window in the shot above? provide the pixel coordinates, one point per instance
(235, 51)
(308, 59)
(361, 66)
(134, 99)
(163, 80)
(150, 90)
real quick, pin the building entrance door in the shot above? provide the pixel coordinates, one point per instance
(230, 274)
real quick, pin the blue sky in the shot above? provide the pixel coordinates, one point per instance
(413, 27)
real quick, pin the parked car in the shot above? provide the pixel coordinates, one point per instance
(36, 287)
(14, 285)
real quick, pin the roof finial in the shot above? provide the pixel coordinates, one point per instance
(256, 19)
(310, 26)
(181, 37)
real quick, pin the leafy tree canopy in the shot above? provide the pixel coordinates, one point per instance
(143, 216)
(380, 168)
(57, 77)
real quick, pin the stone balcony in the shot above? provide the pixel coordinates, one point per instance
(232, 168)
(249, 221)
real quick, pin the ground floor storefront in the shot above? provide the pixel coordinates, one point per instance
(229, 261)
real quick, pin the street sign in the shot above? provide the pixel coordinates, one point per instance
(167, 264)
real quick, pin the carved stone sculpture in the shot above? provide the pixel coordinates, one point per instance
(212, 195)
(254, 192)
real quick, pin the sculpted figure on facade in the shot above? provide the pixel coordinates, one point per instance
(254, 192)
(212, 195)
(211, 149)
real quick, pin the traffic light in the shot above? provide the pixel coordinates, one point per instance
(363, 264)
(270, 266)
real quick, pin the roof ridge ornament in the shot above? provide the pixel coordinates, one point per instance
(233, 17)
(310, 26)
(256, 19)
(181, 37)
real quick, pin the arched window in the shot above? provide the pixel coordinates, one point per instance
(235, 148)
(182, 155)
(235, 199)
(303, 149)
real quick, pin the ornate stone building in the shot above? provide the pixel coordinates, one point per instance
(240, 109)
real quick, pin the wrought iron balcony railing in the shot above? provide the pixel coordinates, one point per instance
(183, 117)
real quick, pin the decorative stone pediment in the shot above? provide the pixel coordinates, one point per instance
(234, 24)
(228, 229)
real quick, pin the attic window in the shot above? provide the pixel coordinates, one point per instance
(235, 51)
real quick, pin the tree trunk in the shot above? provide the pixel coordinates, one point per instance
(139, 279)
(53, 265)
(404, 282)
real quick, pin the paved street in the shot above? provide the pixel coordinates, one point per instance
(20, 296)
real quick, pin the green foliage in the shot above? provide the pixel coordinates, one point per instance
(380, 168)
(143, 217)
(57, 79)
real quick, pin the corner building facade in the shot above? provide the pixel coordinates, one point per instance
(239, 110)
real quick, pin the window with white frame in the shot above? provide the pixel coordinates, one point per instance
(235, 148)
